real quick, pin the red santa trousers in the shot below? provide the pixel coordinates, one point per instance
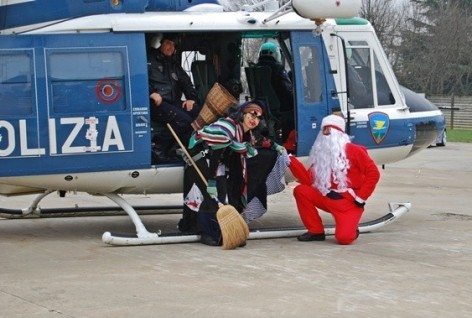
(345, 212)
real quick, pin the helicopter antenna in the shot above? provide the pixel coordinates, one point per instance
(270, 6)
(286, 8)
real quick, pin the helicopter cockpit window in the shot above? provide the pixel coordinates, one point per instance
(384, 94)
(363, 65)
(87, 81)
(311, 74)
(16, 89)
(359, 75)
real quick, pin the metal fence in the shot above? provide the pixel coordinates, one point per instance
(458, 110)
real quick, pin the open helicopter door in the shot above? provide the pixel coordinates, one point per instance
(313, 87)
(73, 103)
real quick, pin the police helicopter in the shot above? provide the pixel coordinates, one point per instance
(75, 111)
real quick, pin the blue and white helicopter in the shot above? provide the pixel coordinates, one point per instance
(74, 101)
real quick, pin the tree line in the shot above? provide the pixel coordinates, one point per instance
(428, 42)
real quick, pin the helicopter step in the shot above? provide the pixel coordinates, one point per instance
(145, 238)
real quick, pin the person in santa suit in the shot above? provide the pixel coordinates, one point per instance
(340, 179)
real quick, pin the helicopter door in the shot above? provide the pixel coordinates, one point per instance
(73, 103)
(311, 91)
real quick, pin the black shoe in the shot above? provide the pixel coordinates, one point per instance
(307, 237)
(208, 240)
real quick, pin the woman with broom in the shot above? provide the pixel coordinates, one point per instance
(221, 151)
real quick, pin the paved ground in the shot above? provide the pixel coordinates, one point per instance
(418, 266)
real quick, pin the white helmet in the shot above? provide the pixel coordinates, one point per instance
(156, 41)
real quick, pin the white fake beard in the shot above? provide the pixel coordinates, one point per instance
(329, 162)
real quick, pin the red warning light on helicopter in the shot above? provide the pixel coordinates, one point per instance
(108, 91)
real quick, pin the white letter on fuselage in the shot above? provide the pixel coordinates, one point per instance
(52, 137)
(24, 142)
(79, 122)
(112, 128)
(11, 138)
(92, 134)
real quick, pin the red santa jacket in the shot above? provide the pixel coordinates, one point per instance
(362, 175)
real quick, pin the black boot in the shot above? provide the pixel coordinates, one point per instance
(188, 223)
(208, 240)
(308, 237)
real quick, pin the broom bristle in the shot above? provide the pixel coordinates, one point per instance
(233, 227)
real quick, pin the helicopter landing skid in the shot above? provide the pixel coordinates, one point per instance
(34, 210)
(145, 238)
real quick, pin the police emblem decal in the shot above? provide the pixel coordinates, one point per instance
(379, 124)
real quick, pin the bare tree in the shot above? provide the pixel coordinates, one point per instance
(387, 17)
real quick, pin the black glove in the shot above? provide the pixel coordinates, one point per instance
(333, 195)
(359, 204)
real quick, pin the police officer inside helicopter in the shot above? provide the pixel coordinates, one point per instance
(270, 56)
(167, 82)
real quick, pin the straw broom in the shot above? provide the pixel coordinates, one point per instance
(233, 227)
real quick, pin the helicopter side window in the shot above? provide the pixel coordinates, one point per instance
(311, 74)
(359, 76)
(361, 61)
(384, 94)
(16, 89)
(87, 81)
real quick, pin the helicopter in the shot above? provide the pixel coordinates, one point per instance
(75, 111)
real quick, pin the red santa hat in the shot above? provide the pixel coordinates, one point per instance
(334, 121)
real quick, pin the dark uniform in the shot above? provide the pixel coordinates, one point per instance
(283, 87)
(280, 81)
(168, 79)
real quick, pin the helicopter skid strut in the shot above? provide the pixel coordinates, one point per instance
(143, 237)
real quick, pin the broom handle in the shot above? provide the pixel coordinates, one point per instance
(187, 154)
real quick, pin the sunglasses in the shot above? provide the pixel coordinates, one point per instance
(254, 115)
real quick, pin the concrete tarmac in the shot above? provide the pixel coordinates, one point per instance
(418, 266)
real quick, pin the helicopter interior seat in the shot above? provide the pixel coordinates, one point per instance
(204, 77)
(260, 87)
